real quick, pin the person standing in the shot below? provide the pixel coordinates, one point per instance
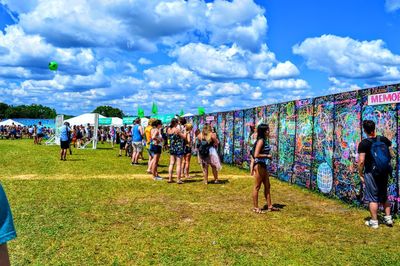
(7, 230)
(147, 135)
(374, 168)
(261, 156)
(187, 149)
(113, 136)
(206, 145)
(64, 140)
(156, 144)
(176, 139)
(137, 138)
(40, 133)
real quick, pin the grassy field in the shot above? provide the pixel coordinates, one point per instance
(96, 209)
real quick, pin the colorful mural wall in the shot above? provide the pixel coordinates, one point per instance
(314, 142)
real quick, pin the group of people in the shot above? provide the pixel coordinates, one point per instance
(177, 139)
(35, 132)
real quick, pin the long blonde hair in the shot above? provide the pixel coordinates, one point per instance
(206, 133)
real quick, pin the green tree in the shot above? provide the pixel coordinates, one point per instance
(109, 111)
(30, 111)
(3, 109)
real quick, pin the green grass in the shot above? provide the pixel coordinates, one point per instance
(96, 209)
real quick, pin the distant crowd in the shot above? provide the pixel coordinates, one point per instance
(37, 132)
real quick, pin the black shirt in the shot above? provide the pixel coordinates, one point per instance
(365, 147)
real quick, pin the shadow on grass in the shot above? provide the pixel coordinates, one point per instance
(75, 160)
(220, 182)
(279, 206)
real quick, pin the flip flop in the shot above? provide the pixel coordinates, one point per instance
(258, 211)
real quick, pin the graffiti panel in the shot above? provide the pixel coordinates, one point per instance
(238, 138)
(272, 119)
(260, 115)
(249, 136)
(322, 169)
(385, 118)
(228, 138)
(221, 134)
(347, 136)
(303, 149)
(287, 134)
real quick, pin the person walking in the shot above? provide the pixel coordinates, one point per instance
(261, 153)
(374, 168)
(176, 138)
(121, 138)
(207, 142)
(40, 133)
(64, 140)
(137, 138)
(147, 135)
(7, 230)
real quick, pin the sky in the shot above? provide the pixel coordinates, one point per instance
(220, 55)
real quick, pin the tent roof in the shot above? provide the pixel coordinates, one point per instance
(9, 122)
(116, 121)
(84, 119)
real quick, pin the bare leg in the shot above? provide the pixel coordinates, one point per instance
(267, 190)
(387, 208)
(4, 258)
(215, 173)
(154, 165)
(179, 167)
(373, 209)
(258, 174)
(205, 173)
(149, 163)
(187, 164)
(171, 167)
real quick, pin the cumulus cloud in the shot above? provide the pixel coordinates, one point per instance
(348, 58)
(392, 5)
(287, 84)
(144, 61)
(338, 86)
(284, 70)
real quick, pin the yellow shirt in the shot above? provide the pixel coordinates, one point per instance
(147, 133)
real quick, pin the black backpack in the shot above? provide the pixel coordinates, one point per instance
(204, 149)
(381, 158)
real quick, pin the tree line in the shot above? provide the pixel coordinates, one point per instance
(38, 111)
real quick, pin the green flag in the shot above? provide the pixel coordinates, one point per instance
(201, 111)
(181, 113)
(140, 112)
(154, 108)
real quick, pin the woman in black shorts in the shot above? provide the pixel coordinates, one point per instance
(156, 148)
(187, 149)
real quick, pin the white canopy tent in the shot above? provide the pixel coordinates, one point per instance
(84, 119)
(116, 121)
(188, 114)
(9, 122)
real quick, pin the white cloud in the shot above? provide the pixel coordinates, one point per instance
(171, 77)
(284, 70)
(223, 102)
(392, 5)
(224, 61)
(337, 86)
(144, 61)
(287, 84)
(348, 58)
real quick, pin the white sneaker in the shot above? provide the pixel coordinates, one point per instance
(372, 224)
(157, 178)
(388, 220)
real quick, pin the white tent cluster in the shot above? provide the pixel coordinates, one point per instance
(9, 122)
(89, 118)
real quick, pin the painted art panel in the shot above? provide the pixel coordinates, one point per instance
(228, 138)
(238, 138)
(347, 136)
(322, 173)
(287, 134)
(303, 149)
(260, 115)
(249, 136)
(272, 119)
(385, 118)
(221, 128)
(201, 122)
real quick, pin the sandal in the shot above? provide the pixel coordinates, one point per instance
(179, 182)
(258, 211)
(272, 209)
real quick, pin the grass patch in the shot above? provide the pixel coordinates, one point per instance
(99, 210)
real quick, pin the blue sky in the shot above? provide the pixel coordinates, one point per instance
(222, 55)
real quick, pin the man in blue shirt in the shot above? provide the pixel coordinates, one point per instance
(64, 140)
(40, 133)
(7, 230)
